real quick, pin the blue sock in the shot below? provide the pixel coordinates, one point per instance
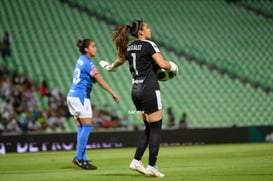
(78, 139)
(79, 132)
(82, 140)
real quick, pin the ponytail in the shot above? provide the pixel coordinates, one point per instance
(82, 44)
(120, 37)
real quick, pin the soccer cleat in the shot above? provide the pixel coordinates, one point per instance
(152, 171)
(138, 166)
(88, 166)
(84, 164)
(75, 161)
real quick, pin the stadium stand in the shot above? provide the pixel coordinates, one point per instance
(218, 33)
(263, 8)
(205, 39)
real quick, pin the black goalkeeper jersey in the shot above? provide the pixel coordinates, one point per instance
(141, 64)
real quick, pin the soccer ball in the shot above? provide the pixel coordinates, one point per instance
(164, 75)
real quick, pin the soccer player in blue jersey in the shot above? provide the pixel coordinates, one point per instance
(143, 57)
(78, 98)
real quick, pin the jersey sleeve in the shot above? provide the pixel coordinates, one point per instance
(93, 70)
(152, 48)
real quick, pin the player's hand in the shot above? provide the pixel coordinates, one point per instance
(174, 67)
(115, 97)
(107, 66)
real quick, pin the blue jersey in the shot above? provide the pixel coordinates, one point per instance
(83, 74)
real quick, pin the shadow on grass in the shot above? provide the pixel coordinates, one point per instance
(99, 172)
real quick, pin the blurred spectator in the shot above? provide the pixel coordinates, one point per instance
(97, 120)
(28, 96)
(23, 121)
(59, 119)
(33, 123)
(53, 102)
(44, 91)
(8, 118)
(106, 117)
(2, 127)
(7, 106)
(115, 119)
(37, 114)
(54, 119)
(24, 80)
(183, 122)
(126, 122)
(170, 118)
(41, 119)
(6, 87)
(20, 103)
(11, 124)
(56, 93)
(20, 110)
(6, 45)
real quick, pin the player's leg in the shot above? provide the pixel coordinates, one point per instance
(143, 140)
(83, 116)
(142, 144)
(79, 130)
(155, 124)
(82, 137)
(153, 110)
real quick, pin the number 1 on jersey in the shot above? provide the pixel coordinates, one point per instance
(134, 62)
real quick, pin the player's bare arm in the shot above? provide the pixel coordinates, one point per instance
(106, 87)
(111, 67)
(157, 57)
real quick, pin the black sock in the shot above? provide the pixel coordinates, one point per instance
(142, 142)
(154, 141)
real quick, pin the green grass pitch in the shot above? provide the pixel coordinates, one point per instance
(233, 162)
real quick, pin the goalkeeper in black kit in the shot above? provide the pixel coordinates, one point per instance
(143, 57)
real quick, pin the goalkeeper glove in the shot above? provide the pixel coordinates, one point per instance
(174, 67)
(107, 66)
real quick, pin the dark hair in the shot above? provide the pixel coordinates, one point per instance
(120, 37)
(82, 44)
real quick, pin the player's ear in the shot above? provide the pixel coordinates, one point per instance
(140, 33)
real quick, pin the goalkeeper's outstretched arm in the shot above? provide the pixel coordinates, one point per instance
(112, 67)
